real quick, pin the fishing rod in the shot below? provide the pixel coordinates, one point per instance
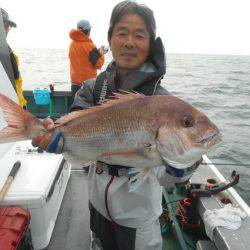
(225, 164)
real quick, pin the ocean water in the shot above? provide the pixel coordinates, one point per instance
(218, 85)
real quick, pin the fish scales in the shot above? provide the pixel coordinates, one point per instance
(117, 127)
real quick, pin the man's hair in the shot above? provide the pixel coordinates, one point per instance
(130, 7)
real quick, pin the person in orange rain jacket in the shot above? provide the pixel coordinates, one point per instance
(84, 56)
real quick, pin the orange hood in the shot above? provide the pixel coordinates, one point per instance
(79, 36)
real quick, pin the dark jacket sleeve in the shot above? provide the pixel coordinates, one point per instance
(84, 96)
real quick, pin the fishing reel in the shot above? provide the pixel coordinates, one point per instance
(211, 187)
(188, 207)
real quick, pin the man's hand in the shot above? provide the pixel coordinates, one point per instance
(103, 49)
(43, 139)
(52, 141)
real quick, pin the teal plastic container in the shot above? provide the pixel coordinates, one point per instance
(42, 96)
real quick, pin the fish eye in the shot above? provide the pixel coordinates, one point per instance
(188, 121)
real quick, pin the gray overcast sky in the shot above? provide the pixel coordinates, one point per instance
(186, 26)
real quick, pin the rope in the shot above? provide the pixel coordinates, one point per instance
(50, 107)
(156, 84)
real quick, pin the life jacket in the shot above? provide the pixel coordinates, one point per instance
(104, 87)
(18, 78)
(146, 81)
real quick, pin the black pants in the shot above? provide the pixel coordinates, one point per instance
(74, 89)
(112, 237)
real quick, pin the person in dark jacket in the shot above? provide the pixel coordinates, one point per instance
(123, 215)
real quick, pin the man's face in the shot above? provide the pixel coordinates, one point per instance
(129, 43)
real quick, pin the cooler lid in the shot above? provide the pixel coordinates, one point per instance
(35, 176)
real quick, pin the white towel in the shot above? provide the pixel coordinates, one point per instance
(228, 217)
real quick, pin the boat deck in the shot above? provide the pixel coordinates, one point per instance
(72, 225)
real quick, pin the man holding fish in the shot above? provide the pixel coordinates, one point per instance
(140, 141)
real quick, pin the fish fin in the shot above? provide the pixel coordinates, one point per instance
(119, 97)
(126, 95)
(142, 175)
(149, 147)
(75, 162)
(71, 116)
(19, 121)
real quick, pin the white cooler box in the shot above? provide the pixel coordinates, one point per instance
(38, 186)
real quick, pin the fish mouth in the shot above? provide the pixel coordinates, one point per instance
(210, 140)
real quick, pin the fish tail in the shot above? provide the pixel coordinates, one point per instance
(21, 125)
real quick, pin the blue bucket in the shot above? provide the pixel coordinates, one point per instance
(42, 96)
